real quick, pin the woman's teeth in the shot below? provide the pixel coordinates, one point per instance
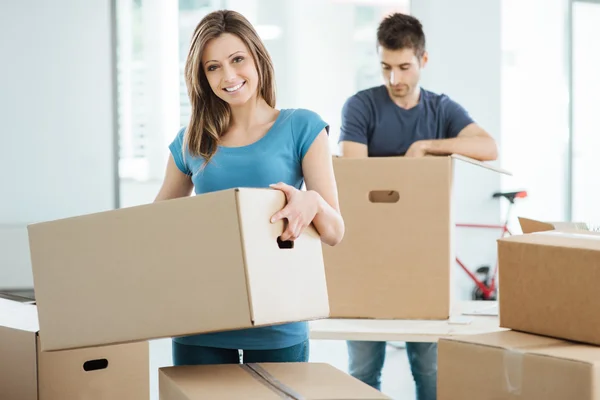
(234, 88)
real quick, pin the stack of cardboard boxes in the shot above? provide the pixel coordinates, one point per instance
(105, 283)
(548, 282)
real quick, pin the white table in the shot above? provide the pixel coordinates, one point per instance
(461, 322)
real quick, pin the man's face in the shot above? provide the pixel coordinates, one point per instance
(401, 70)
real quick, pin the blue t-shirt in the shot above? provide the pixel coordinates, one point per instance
(371, 117)
(276, 157)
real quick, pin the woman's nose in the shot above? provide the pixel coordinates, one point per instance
(229, 73)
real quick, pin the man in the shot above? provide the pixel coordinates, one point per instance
(400, 118)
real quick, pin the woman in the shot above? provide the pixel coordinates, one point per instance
(236, 138)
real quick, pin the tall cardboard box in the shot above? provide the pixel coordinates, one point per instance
(548, 284)
(513, 365)
(397, 254)
(27, 373)
(205, 263)
(266, 381)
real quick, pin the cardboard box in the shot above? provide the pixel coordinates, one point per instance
(531, 225)
(397, 254)
(267, 381)
(548, 284)
(27, 373)
(199, 264)
(513, 365)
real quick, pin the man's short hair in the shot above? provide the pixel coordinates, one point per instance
(400, 31)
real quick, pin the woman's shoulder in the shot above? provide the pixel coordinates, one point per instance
(305, 125)
(299, 114)
(302, 119)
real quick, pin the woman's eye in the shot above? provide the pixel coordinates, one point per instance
(211, 68)
(238, 59)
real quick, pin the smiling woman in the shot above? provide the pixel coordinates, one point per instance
(237, 138)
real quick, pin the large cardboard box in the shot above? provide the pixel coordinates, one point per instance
(199, 264)
(27, 373)
(513, 365)
(267, 381)
(397, 254)
(548, 284)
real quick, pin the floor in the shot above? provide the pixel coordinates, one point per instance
(396, 382)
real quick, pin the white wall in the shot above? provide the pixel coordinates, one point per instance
(57, 120)
(535, 114)
(463, 40)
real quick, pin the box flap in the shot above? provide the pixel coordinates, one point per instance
(507, 340)
(578, 240)
(531, 225)
(318, 381)
(525, 343)
(299, 265)
(215, 382)
(22, 296)
(15, 315)
(482, 164)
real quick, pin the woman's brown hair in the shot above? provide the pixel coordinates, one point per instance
(210, 115)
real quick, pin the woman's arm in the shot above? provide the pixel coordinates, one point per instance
(319, 203)
(317, 167)
(175, 184)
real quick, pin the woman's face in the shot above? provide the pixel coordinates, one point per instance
(230, 69)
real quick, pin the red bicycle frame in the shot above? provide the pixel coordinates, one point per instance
(488, 291)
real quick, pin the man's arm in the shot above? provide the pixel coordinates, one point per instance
(354, 130)
(353, 149)
(462, 136)
(472, 141)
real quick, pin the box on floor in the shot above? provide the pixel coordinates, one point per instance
(265, 381)
(396, 258)
(513, 365)
(27, 373)
(206, 263)
(548, 284)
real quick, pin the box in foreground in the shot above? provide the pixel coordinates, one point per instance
(27, 373)
(266, 381)
(549, 283)
(206, 263)
(513, 365)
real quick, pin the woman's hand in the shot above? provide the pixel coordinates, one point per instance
(300, 210)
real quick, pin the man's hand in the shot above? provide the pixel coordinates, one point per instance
(417, 149)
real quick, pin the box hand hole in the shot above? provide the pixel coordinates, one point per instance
(95, 365)
(384, 196)
(285, 244)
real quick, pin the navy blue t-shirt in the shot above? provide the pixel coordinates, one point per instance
(371, 117)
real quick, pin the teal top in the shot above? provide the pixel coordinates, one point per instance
(276, 157)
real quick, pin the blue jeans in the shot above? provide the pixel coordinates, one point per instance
(184, 354)
(367, 358)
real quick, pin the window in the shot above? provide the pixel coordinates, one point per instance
(586, 120)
